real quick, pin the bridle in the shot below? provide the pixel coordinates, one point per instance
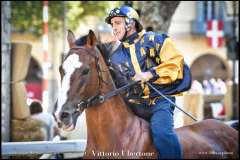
(82, 104)
(99, 98)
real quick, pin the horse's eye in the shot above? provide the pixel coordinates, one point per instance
(85, 71)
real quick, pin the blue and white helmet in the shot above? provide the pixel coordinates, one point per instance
(125, 11)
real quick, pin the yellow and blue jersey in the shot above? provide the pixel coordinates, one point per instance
(152, 52)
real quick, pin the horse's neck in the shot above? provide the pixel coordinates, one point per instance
(111, 118)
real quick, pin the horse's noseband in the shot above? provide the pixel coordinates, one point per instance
(98, 99)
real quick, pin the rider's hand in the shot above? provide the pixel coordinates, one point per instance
(143, 76)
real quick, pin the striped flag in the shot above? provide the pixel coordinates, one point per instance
(215, 33)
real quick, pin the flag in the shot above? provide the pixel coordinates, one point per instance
(215, 33)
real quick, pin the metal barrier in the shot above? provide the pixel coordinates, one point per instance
(43, 147)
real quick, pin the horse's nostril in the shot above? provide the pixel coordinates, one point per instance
(64, 115)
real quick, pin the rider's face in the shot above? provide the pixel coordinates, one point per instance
(118, 26)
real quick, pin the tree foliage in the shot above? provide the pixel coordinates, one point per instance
(27, 15)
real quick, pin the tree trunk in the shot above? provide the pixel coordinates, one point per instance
(157, 14)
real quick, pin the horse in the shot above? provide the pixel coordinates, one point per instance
(113, 131)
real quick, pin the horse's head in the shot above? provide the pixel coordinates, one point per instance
(79, 80)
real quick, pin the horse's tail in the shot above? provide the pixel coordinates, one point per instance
(234, 124)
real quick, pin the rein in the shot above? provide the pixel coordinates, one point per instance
(99, 99)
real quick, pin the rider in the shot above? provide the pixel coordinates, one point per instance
(148, 57)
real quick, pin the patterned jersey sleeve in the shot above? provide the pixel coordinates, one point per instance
(171, 61)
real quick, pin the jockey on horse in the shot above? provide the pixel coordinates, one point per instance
(148, 57)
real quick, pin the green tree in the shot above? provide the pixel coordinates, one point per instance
(27, 15)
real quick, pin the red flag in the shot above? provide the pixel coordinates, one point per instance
(215, 33)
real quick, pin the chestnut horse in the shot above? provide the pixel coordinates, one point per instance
(113, 131)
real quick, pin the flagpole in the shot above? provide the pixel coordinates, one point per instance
(45, 83)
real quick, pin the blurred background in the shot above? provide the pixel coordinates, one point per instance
(34, 44)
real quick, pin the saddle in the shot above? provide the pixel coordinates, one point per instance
(140, 109)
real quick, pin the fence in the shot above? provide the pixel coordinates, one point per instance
(43, 147)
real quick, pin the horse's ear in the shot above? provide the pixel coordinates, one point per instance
(91, 39)
(71, 38)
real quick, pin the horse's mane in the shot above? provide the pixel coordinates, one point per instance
(104, 48)
(81, 40)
